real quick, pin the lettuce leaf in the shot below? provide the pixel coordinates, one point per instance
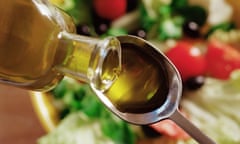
(215, 109)
(87, 120)
(77, 128)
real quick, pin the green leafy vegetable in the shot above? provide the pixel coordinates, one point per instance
(60, 90)
(171, 28)
(179, 4)
(146, 21)
(92, 107)
(115, 32)
(83, 110)
(164, 25)
(227, 26)
(117, 130)
(80, 10)
(165, 20)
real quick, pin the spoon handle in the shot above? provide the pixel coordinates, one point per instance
(192, 130)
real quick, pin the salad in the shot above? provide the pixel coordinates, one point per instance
(200, 37)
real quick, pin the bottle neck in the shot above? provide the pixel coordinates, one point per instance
(88, 59)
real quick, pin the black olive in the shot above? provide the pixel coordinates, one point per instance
(150, 132)
(101, 28)
(100, 24)
(191, 29)
(194, 83)
(194, 13)
(140, 33)
(83, 29)
(132, 4)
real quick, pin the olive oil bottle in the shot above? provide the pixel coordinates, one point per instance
(38, 47)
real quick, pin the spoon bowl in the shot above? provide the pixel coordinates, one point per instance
(174, 85)
(163, 103)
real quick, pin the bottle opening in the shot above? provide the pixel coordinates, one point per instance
(105, 65)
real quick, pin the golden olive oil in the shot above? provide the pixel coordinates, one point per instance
(28, 42)
(37, 47)
(142, 85)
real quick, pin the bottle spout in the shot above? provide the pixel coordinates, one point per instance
(90, 60)
(105, 64)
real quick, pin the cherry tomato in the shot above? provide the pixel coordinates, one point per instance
(169, 128)
(110, 9)
(222, 59)
(188, 59)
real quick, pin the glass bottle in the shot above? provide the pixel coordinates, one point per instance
(38, 47)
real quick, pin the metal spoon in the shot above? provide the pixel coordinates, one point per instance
(169, 109)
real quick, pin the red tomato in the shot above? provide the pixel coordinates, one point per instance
(110, 9)
(188, 59)
(222, 59)
(169, 128)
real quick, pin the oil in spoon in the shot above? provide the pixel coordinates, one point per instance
(142, 85)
